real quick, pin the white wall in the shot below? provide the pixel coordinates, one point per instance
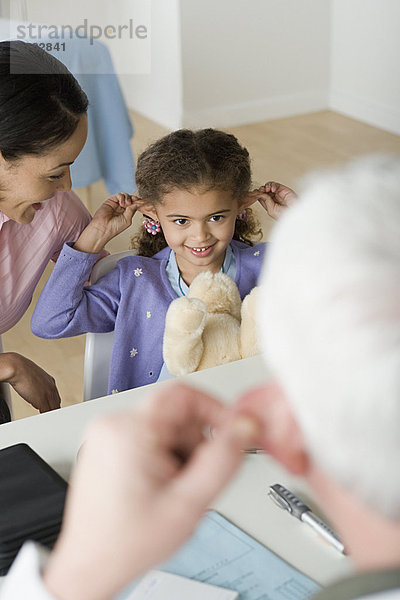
(130, 54)
(251, 60)
(5, 9)
(158, 95)
(365, 61)
(227, 62)
(156, 89)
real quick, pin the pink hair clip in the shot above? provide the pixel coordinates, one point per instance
(243, 216)
(151, 226)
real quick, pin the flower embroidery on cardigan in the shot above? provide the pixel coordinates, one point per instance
(137, 272)
(133, 352)
(257, 253)
(148, 314)
(114, 391)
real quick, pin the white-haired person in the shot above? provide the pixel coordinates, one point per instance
(330, 317)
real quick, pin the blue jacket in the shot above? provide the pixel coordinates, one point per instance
(132, 300)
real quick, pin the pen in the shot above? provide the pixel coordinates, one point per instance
(285, 499)
(254, 451)
(210, 434)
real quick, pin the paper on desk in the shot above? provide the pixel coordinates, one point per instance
(157, 585)
(221, 554)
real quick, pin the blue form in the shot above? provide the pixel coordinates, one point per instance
(221, 554)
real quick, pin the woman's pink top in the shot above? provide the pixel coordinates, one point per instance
(25, 251)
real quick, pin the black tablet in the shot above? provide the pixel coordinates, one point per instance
(32, 497)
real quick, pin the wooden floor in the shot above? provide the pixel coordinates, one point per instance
(281, 150)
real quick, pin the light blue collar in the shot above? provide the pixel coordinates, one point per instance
(176, 281)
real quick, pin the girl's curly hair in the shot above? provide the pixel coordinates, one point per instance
(185, 159)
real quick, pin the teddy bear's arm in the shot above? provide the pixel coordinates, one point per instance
(183, 343)
(249, 343)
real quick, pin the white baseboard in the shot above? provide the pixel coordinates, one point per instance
(363, 109)
(357, 107)
(258, 110)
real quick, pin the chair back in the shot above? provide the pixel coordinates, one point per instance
(98, 347)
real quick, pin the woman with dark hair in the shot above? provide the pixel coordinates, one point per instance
(43, 128)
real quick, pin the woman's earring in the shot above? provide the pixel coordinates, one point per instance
(243, 216)
(151, 226)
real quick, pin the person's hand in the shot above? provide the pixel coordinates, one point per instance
(114, 216)
(142, 482)
(280, 432)
(30, 381)
(274, 198)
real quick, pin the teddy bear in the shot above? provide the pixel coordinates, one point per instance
(210, 326)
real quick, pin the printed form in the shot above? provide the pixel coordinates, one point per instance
(157, 585)
(221, 554)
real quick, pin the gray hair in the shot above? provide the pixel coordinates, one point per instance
(331, 324)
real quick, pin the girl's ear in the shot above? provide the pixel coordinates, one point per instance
(148, 209)
(250, 199)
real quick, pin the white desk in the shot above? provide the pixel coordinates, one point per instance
(56, 437)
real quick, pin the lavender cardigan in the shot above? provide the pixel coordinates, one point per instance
(132, 300)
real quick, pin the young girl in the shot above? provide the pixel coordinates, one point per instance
(194, 188)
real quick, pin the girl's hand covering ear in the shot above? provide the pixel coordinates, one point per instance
(275, 198)
(114, 216)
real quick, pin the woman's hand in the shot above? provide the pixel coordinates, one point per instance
(274, 198)
(141, 484)
(31, 382)
(114, 216)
